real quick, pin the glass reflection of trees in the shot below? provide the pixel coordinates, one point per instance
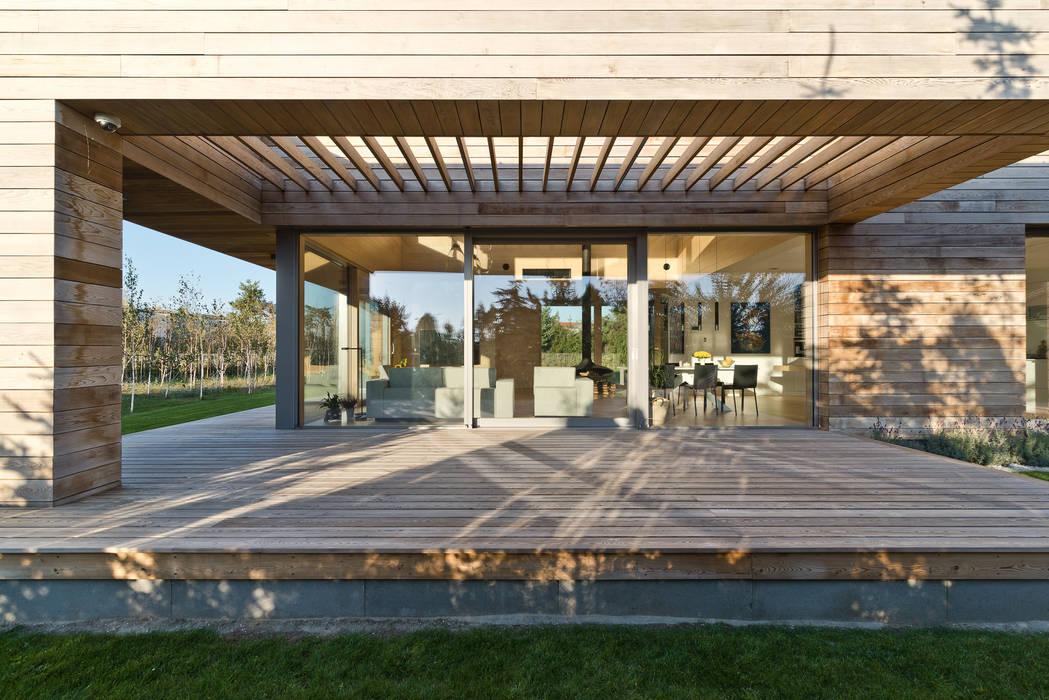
(426, 344)
(517, 310)
(777, 289)
(319, 335)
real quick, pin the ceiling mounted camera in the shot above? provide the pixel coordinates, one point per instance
(107, 121)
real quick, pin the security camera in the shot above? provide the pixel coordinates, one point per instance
(107, 121)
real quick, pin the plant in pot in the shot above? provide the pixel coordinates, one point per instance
(332, 406)
(657, 379)
(348, 405)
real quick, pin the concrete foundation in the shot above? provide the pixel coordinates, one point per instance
(894, 603)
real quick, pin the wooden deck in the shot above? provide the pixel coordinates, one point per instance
(232, 498)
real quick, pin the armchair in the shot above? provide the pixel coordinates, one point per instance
(559, 392)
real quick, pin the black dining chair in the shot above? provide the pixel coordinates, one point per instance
(704, 379)
(743, 377)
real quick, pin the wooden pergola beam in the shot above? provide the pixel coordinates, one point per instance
(520, 163)
(406, 150)
(354, 156)
(766, 159)
(258, 146)
(438, 160)
(288, 145)
(852, 155)
(576, 154)
(247, 157)
(546, 163)
(793, 168)
(737, 161)
(602, 158)
(384, 160)
(465, 155)
(713, 158)
(628, 161)
(691, 151)
(656, 160)
(494, 162)
(328, 158)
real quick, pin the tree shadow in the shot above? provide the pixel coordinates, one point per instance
(1001, 43)
(26, 468)
(823, 90)
(934, 343)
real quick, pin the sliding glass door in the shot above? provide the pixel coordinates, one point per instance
(561, 329)
(383, 325)
(731, 312)
(550, 328)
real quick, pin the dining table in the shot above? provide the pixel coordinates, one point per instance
(691, 370)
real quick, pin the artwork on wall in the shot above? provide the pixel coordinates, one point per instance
(751, 327)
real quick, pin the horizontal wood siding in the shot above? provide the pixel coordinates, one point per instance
(920, 323)
(27, 309)
(88, 263)
(60, 262)
(655, 49)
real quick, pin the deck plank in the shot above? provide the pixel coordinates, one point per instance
(232, 486)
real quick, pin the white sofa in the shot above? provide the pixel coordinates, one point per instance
(428, 393)
(559, 392)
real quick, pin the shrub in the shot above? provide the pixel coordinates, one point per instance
(1025, 442)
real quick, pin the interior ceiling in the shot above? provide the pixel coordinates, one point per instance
(686, 254)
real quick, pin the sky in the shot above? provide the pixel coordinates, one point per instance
(160, 260)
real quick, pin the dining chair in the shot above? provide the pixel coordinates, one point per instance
(743, 377)
(705, 379)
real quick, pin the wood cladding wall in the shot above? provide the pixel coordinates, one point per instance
(922, 309)
(921, 323)
(60, 276)
(541, 49)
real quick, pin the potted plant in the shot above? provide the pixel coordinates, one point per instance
(332, 406)
(348, 405)
(660, 404)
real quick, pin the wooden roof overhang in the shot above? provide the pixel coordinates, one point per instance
(512, 163)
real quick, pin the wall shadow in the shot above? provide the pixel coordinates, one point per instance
(1000, 43)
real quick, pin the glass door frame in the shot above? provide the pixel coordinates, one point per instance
(635, 241)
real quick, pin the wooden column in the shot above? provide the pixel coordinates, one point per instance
(60, 286)
(920, 323)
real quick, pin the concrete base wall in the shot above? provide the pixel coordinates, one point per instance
(925, 603)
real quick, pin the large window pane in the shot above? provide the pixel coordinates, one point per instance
(550, 329)
(743, 303)
(325, 329)
(405, 309)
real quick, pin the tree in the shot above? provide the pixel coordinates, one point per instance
(248, 325)
(195, 324)
(135, 324)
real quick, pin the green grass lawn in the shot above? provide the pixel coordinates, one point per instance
(1044, 476)
(537, 662)
(154, 411)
